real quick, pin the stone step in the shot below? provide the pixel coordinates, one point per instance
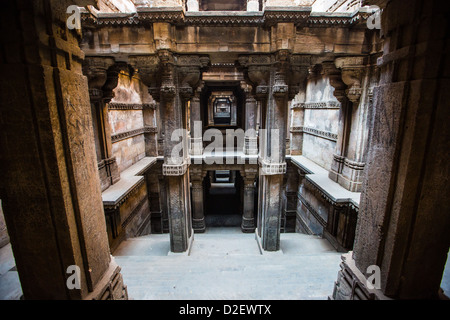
(225, 263)
(244, 277)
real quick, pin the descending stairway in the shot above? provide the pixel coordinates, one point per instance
(224, 263)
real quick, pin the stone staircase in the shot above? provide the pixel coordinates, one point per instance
(225, 264)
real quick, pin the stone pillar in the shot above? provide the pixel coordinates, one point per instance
(355, 76)
(150, 129)
(196, 124)
(403, 219)
(334, 74)
(297, 116)
(197, 191)
(49, 185)
(273, 153)
(103, 75)
(248, 216)
(176, 164)
(251, 139)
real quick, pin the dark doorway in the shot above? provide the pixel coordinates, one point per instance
(223, 199)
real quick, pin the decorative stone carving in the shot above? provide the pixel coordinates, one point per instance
(272, 168)
(352, 71)
(335, 76)
(174, 169)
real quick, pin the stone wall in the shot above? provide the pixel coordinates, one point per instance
(126, 118)
(320, 126)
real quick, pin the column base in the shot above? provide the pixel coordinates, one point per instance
(188, 249)
(111, 286)
(352, 284)
(199, 225)
(260, 246)
(248, 225)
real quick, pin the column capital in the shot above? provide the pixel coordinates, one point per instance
(334, 74)
(352, 69)
(96, 71)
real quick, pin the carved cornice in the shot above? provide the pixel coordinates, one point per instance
(130, 106)
(126, 135)
(317, 105)
(320, 133)
(297, 15)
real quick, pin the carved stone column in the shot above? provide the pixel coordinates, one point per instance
(248, 216)
(354, 74)
(335, 76)
(149, 113)
(403, 218)
(197, 191)
(251, 139)
(103, 75)
(300, 66)
(196, 123)
(171, 80)
(272, 156)
(49, 184)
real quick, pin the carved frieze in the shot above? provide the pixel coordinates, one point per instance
(317, 105)
(268, 168)
(320, 133)
(174, 169)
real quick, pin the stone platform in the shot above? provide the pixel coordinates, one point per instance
(225, 264)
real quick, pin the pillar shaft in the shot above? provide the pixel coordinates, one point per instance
(251, 113)
(272, 156)
(248, 216)
(197, 191)
(403, 217)
(50, 187)
(196, 124)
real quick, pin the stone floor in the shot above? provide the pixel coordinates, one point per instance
(225, 264)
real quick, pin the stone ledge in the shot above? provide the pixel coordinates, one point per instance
(318, 176)
(130, 180)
